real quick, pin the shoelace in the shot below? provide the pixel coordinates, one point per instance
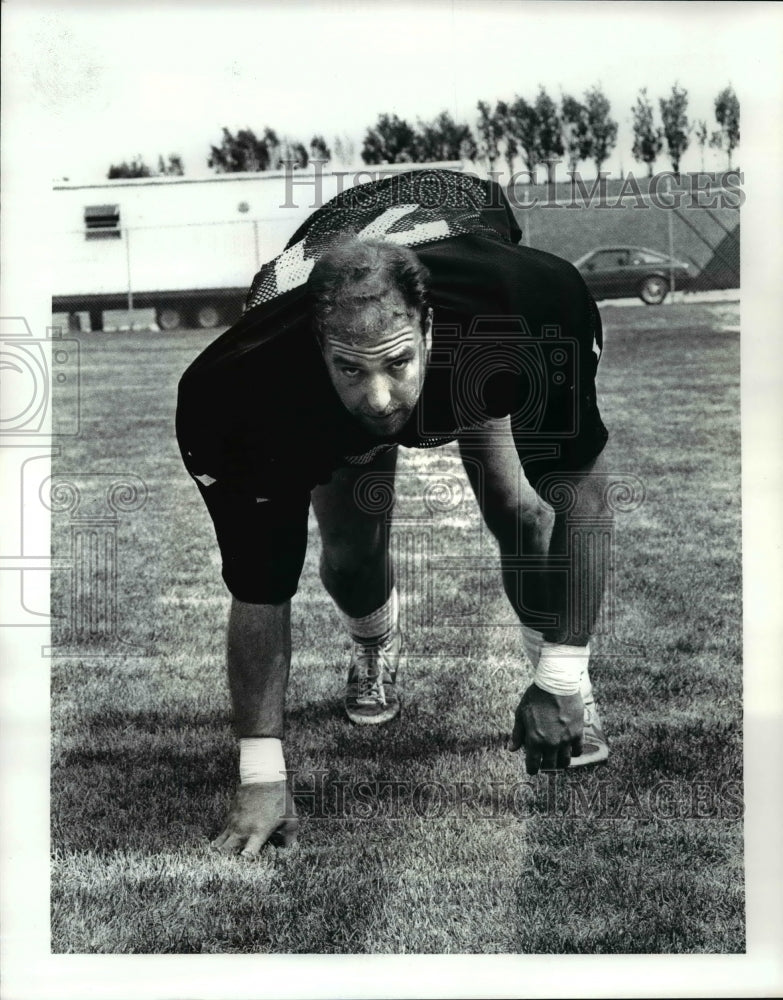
(371, 663)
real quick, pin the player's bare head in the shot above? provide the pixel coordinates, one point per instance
(362, 288)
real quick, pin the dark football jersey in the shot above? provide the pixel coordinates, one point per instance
(515, 332)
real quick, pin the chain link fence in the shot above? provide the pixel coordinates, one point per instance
(695, 226)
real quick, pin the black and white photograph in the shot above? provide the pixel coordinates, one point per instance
(390, 445)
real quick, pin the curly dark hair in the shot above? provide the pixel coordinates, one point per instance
(359, 283)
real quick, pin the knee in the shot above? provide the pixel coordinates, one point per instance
(344, 557)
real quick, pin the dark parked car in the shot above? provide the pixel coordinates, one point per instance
(617, 272)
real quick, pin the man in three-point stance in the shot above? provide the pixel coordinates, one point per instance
(403, 312)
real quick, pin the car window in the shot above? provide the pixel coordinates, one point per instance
(647, 257)
(605, 259)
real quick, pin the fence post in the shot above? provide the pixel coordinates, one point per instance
(255, 243)
(670, 214)
(128, 265)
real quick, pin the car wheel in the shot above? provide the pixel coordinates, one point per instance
(169, 318)
(207, 317)
(654, 290)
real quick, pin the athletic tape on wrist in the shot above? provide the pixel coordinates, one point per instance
(560, 668)
(260, 759)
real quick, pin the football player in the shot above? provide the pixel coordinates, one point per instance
(403, 312)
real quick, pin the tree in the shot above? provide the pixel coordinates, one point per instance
(490, 130)
(535, 130)
(241, 152)
(173, 168)
(468, 148)
(549, 132)
(576, 131)
(603, 128)
(701, 133)
(344, 150)
(510, 153)
(318, 149)
(274, 148)
(505, 142)
(293, 154)
(521, 123)
(443, 139)
(676, 128)
(136, 168)
(647, 139)
(727, 114)
(392, 140)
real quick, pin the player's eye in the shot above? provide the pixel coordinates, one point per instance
(349, 371)
(400, 364)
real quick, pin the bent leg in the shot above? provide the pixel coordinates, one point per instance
(353, 511)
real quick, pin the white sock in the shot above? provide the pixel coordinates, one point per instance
(260, 759)
(378, 625)
(532, 643)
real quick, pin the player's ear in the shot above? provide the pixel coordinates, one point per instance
(428, 329)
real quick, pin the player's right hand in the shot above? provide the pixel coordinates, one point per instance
(549, 726)
(258, 813)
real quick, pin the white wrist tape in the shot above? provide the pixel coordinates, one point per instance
(260, 759)
(560, 668)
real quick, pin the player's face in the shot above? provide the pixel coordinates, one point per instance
(379, 375)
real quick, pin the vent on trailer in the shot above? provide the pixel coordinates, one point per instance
(101, 221)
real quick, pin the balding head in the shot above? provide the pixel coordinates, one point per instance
(361, 287)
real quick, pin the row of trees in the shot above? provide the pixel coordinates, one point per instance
(676, 129)
(541, 132)
(246, 151)
(172, 167)
(538, 132)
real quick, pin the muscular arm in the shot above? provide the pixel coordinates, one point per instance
(535, 545)
(259, 659)
(562, 605)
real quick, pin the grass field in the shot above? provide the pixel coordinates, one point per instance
(426, 836)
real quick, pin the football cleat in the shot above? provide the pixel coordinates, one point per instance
(371, 696)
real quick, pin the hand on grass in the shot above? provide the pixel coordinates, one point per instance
(549, 727)
(258, 813)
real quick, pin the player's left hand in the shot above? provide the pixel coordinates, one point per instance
(549, 727)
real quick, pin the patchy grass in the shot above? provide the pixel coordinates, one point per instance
(426, 836)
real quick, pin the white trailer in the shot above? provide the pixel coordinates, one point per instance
(186, 247)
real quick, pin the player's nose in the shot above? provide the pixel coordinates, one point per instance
(378, 397)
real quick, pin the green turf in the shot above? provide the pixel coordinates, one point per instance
(644, 856)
